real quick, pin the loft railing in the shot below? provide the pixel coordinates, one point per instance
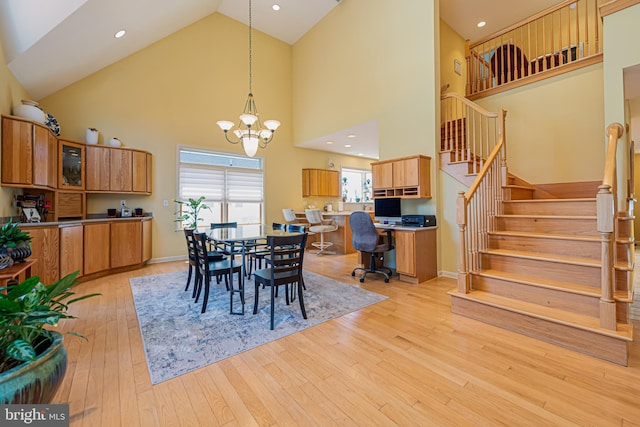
(472, 131)
(607, 199)
(559, 39)
(468, 131)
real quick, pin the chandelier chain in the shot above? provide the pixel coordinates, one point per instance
(250, 50)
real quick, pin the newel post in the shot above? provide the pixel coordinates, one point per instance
(461, 217)
(605, 211)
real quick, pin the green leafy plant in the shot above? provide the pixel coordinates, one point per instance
(189, 212)
(11, 236)
(25, 310)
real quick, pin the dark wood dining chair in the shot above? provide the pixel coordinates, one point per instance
(208, 269)
(257, 252)
(193, 260)
(286, 255)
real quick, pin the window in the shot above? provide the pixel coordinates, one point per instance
(356, 185)
(233, 185)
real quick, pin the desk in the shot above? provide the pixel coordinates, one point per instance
(341, 238)
(241, 235)
(416, 252)
(18, 271)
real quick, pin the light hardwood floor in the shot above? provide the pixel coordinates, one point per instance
(405, 361)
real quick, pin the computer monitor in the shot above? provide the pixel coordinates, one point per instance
(387, 211)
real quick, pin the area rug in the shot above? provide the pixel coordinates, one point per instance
(178, 338)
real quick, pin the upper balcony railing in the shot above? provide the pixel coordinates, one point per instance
(559, 39)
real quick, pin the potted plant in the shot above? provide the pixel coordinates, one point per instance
(14, 241)
(189, 212)
(33, 359)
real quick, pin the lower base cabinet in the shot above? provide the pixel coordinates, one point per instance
(45, 247)
(71, 249)
(416, 255)
(97, 241)
(126, 243)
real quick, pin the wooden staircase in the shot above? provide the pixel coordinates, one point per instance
(537, 267)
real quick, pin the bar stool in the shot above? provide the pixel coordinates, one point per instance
(318, 225)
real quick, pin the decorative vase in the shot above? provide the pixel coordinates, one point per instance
(115, 142)
(92, 136)
(19, 253)
(36, 382)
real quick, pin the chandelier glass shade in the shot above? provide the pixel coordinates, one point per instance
(250, 130)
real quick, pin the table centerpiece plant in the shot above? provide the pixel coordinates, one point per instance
(33, 359)
(14, 242)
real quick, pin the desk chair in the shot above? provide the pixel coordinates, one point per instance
(318, 225)
(365, 239)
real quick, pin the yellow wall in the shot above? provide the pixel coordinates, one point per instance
(172, 93)
(554, 127)
(452, 48)
(11, 93)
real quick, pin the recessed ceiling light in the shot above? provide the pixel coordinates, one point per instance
(120, 34)
(329, 142)
(351, 135)
(275, 7)
(347, 146)
(360, 154)
(481, 24)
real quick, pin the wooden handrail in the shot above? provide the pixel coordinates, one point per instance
(470, 104)
(614, 132)
(485, 168)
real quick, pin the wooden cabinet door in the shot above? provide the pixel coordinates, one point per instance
(71, 165)
(121, 175)
(41, 156)
(52, 168)
(405, 252)
(98, 167)
(17, 152)
(45, 248)
(126, 243)
(328, 183)
(146, 240)
(382, 175)
(149, 173)
(97, 241)
(71, 249)
(139, 172)
(406, 172)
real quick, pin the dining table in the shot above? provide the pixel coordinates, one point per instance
(237, 240)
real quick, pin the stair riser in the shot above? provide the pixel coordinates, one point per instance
(586, 275)
(587, 305)
(461, 167)
(583, 341)
(578, 248)
(573, 207)
(518, 193)
(576, 226)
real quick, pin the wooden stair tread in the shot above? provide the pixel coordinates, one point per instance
(623, 332)
(524, 187)
(547, 216)
(582, 237)
(575, 288)
(583, 199)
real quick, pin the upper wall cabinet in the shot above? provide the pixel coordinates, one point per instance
(407, 177)
(320, 183)
(71, 165)
(118, 170)
(29, 154)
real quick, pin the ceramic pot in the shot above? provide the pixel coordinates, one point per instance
(30, 112)
(115, 142)
(19, 253)
(92, 136)
(35, 382)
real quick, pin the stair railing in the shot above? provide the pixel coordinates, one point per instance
(467, 130)
(607, 208)
(478, 207)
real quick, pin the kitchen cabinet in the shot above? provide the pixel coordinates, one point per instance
(97, 241)
(71, 165)
(29, 154)
(45, 247)
(407, 177)
(141, 169)
(416, 254)
(121, 175)
(117, 170)
(146, 240)
(98, 168)
(71, 249)
(126, 243)
(320, 183)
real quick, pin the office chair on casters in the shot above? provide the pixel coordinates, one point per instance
(365, 239)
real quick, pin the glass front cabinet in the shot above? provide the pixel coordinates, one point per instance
(71, 166)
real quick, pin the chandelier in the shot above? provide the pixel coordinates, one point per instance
(250, 129)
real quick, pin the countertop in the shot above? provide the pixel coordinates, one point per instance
(70, 222)
(333, 213)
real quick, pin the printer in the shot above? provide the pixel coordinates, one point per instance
(418, 220)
